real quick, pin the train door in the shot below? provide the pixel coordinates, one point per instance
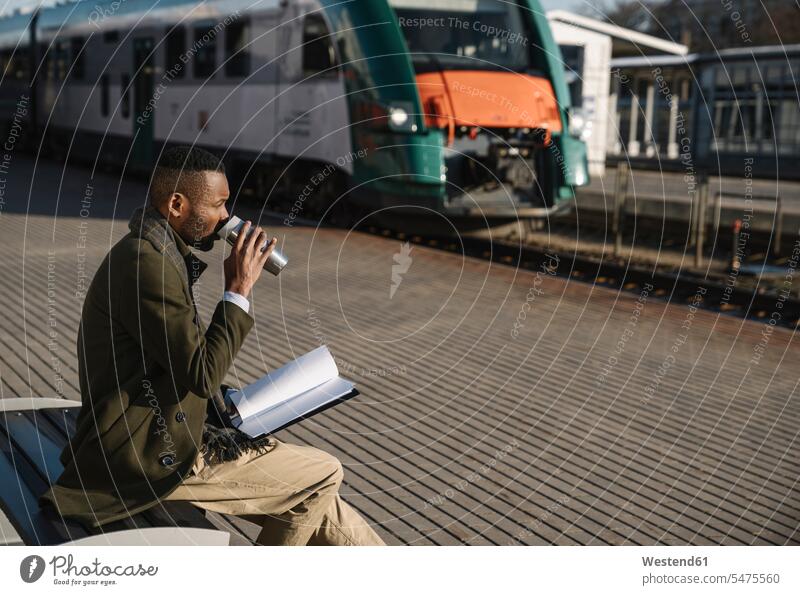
(142, 151)
(251, 105)
(312, 104)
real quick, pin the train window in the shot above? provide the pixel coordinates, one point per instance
(768, 114)
(774, 72)
(723, 112)
(741, 77)
(318, 51)
(111, 36)
(44, 67)
(175, 48)
(464, 38)
(20, 67)
(125, 100)
(237, 57)
(61, 60)
(205, 59)
(104, 95)
(788, 115)
(722, 77)
(573, 72)
(744, 117)
(14, 63)
(78, 62)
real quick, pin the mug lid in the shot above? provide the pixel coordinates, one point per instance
(228, 225)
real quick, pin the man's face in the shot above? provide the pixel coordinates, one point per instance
(205, 213)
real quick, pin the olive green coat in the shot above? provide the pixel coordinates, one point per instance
(146, 370)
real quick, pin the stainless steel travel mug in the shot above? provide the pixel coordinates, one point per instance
(229, 231)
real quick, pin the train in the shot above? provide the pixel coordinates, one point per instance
(451, 110)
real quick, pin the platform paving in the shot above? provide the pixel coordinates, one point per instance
(600, 418)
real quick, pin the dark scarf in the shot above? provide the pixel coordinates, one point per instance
(221, 441)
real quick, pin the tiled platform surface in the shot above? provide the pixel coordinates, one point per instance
(465, 432)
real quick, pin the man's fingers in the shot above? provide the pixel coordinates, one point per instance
(258, 235)
(242, 235)
(270, 247)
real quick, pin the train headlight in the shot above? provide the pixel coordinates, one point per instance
(399, 118)
(580, 124)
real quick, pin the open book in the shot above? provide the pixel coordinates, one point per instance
(289, 394)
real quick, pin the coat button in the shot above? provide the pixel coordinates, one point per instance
(180, 416)
(167, 461)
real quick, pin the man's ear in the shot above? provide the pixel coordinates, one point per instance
(177, 205)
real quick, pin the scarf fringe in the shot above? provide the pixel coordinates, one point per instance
(221, 445)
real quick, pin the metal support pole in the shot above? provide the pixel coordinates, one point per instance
(690, 237)
(776, 242)
(620, 194)
(700, 226)
(735, 262)
(717, 215)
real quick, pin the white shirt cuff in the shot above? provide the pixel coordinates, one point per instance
(238, 299)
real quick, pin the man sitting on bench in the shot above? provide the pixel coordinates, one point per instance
(149, 369)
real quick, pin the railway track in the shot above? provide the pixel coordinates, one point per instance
(709, 290)
(684, 286)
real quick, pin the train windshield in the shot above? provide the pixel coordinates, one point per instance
(464, 34)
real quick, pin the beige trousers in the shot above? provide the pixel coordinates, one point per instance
(291, 491)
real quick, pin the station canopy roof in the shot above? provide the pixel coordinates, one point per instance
(624, 42)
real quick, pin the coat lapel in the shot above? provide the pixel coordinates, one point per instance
(149, 224)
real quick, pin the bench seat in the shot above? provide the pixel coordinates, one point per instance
(33, 433)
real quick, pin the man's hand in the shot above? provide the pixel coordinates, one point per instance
(245, 263)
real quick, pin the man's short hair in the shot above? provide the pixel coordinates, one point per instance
(180, 169)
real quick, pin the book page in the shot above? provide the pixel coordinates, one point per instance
(301, 375)
(285, 413)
